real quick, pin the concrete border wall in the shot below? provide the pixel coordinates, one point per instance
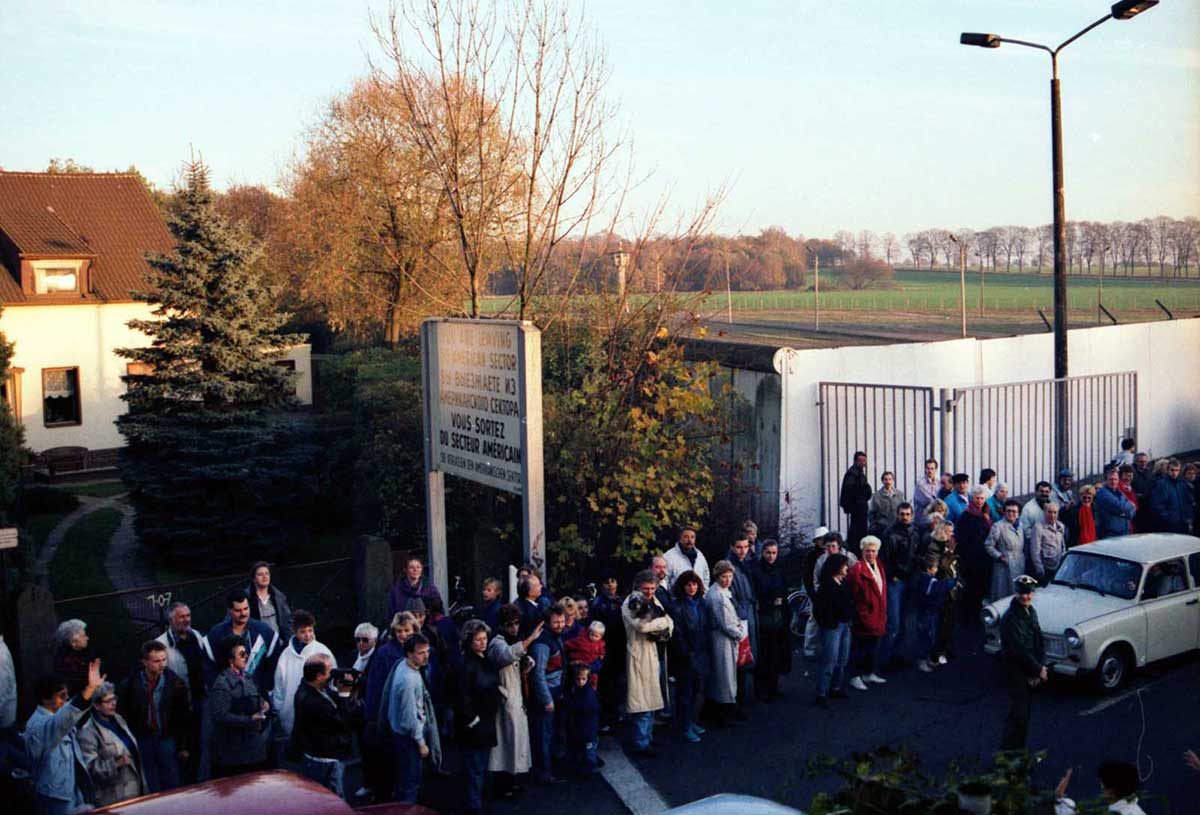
(1166, 356)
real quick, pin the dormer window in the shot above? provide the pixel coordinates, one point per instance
(56, 279)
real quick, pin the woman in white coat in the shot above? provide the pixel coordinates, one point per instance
(1006, 546)
(511, 755)
(646, 624)
(110, 751)
(727, 631)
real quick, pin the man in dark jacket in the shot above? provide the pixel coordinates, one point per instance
(154, 702)
(1171, 500)
(325, 723)
(1023, 660)
(854, 498)
(898, 547)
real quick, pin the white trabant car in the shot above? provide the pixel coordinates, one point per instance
(1116, 605)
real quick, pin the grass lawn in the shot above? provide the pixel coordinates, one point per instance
(78, 565)
(96, 489)
(927, 291)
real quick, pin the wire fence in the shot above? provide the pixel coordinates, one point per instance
(119, 622)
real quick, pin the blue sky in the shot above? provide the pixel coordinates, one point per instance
(820, 116)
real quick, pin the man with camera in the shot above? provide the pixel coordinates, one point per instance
(325, 721)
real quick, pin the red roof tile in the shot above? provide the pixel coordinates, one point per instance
(109, 215)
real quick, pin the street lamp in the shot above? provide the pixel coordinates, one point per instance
(962, 282)
(1124, 10)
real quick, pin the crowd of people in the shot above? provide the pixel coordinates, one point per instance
(528, 687)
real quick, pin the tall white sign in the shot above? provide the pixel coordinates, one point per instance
(483, 421)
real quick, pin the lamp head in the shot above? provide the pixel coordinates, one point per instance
(983, 40)
(1128, 9)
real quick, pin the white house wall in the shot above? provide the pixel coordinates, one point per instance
(1165, 355)
(85, 336)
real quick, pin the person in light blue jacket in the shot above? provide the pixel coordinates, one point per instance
(408, 711)
(51, 746)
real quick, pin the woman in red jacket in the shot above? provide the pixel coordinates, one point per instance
(868, 585)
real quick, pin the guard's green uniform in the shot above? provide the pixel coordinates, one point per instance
(1023, 654)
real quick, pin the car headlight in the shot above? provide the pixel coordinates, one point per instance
(1074, 639)
(988, 615)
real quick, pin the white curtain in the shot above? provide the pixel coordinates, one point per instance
(58, 384)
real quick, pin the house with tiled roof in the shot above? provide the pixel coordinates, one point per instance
(73, 250)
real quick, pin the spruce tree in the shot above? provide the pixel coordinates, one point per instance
(12, 441)
(203, 460)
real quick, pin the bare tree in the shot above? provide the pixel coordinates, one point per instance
(866, 243)
(507, 106)
(1160, 239)
(891, 247)
(1043, 238)
(1185, 233)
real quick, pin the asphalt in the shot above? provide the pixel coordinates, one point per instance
(953, 715)
(950, 717)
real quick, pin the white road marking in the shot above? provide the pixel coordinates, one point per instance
(629, 784)
(1116, 700)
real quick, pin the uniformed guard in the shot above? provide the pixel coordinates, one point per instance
(1023, 654)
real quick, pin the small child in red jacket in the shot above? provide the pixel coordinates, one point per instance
(588, 649)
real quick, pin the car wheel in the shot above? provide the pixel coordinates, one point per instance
(1112, 672)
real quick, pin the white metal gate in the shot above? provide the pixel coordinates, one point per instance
(892, 424)
(1009, 428)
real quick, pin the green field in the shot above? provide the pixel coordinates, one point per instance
(927, 291)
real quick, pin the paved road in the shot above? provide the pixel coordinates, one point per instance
(953, 714)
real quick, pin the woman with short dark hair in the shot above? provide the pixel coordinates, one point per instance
(478, 706)
(689, 647)
(268, 603)
(834, 609)
(239, 710)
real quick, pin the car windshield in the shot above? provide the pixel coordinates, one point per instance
(1105, 575)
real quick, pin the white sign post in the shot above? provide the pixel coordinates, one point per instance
(482, 385)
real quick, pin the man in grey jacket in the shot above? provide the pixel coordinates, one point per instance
(51, 746)
(408, 710)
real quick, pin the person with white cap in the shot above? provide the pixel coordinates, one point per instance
(812, 632)
(1023, 660)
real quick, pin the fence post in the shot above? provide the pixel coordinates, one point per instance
(944, 408)
(36, 626)
(372, 577)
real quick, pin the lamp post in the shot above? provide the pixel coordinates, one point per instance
(962, 282)
(1124, 10)
(817, 290)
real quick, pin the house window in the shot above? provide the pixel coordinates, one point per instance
(10, 392)
(55, 279)
(60, 397)
(288, 365)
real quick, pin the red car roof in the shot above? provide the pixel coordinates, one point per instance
(275, 792)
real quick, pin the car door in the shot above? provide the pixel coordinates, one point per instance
(1172, 606)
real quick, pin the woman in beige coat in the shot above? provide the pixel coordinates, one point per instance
(110, 751)
(511, 755)
(646, 624)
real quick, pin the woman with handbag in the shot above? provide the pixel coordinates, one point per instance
(729, 638)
